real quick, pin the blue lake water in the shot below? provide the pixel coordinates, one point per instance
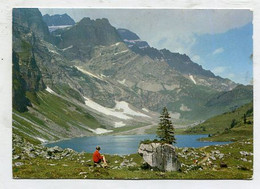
(125, 144)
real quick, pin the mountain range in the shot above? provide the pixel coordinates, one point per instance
(91, 78)
(58, 20)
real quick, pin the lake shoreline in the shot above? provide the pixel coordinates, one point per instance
(123, 133)
(126, 144)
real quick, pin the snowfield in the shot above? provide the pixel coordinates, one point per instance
(124, 106)
(122, 82)
(53, 28)
(42, 140)
(192, 79)
(89, 73)
(133, 41)
(184, 108)
(105, 110)
(119, 124)
(67, 48)
(144, 109)
(54, 52)
(120, 52)
(121, 110)
(50, 91)
(116, 44)
(100, 130)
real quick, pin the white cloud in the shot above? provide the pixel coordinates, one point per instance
(218, 51)
(219, 70)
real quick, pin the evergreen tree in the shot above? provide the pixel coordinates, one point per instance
(244, 118)
(165, 130)
(233, 123)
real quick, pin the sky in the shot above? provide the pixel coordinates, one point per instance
(218, 39)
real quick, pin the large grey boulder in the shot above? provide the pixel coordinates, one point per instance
(161, 156)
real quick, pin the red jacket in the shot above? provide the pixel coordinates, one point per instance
(97, 157)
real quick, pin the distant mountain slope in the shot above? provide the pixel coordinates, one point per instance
(58, 20)
(179, 62)
(80, 39)
(44, 79)
(131, 38)
(52, 117)
(239, 95)
(89, 66)
(236, 124)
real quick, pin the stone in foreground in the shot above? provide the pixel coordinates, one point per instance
(161, 156)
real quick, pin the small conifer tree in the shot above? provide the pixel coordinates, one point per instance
(165, 130)
(244, 118)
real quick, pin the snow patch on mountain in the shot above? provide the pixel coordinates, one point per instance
(133, 41)
(119, 124)
(144, 109)
(102, 75)
(120, 52)
(143, 47)
(105, 110)
(69, 47)
(122, 82)
(124, 106)
(175, 115)
(184, 108)
(89, 73)
(53, 51)
(100, 130)
(41, 139)
(116, 44)
(53, 28)
(121, 110)
(192, 79)
(50, 90)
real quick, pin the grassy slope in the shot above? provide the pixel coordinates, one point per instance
(52, 118)
(220, 126)
(80, 166)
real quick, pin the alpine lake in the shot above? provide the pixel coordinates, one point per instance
(126, 144)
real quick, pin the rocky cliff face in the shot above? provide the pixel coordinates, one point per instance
(80, 39)
(28, 20)
(27, 77)
(179, 62)
(190, 70)
(89, 65)
(20, 102)
(161, 156)
(132, 39)
(58, 20)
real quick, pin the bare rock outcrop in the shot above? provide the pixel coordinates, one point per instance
(161, 156)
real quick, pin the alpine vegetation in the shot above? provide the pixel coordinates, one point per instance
(165, 130)
(78, 83)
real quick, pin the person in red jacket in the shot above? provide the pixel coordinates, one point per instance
(97, 158)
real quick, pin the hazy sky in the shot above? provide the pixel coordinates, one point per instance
(219, 40)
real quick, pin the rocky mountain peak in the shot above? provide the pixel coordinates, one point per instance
(132, 39)
(85, 35)
(90, 61)
(85, 20)
(30, 20)
(58, 20)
